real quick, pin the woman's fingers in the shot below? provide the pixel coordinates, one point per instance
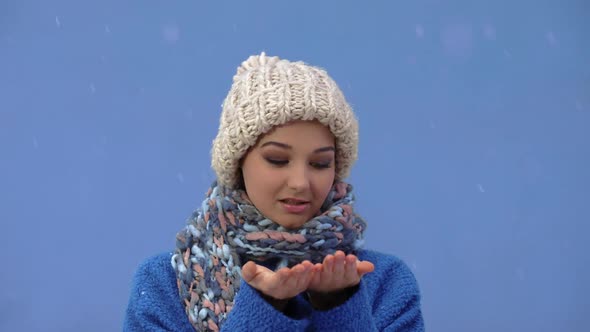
(304, 276)
(328, 267)
(364, 267)
(282, 284)
(317, 275)
(248, 271)
(351, 268)
(299, 278)
(339, 261)
(337, 272)
(254, 272)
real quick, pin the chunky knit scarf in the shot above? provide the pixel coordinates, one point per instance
(227, 231)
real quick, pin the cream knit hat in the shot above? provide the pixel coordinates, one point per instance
(268, 92)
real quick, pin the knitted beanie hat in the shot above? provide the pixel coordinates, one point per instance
(268, 92)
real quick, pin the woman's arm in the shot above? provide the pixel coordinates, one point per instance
(154, 305)
(387, 299)
(253, 313)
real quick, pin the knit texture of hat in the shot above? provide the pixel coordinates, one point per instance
(269, 92)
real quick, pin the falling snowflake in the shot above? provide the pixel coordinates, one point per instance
(480, 187)
(551, 38)
(489, 32)
(419, 31)
(57, 22)
(457, 40)
(171, 33)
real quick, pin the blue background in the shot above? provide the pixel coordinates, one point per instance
(474, 155)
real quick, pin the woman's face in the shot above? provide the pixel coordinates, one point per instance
(290, 171)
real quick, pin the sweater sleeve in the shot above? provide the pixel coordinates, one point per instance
(387, 301)
(252, 313)
(154, 305)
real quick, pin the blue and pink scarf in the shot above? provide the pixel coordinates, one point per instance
(227, 231)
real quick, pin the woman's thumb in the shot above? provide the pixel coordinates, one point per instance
(249, 271)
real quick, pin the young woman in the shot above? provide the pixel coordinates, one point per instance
(276, 245)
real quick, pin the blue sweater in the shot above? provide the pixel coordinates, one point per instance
(387, 299)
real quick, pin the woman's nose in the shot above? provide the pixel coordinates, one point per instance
(298, 178)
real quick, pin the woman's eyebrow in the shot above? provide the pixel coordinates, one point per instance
(280, 145)
(288, 147)
(324, 149)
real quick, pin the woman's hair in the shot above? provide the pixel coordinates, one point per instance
(268, 92)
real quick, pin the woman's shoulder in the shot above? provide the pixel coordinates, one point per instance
(389, 270)
(155, 278)
(154, 303)
(156, 265)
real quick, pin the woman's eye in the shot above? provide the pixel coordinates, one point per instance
(321, 165)
(278, 162)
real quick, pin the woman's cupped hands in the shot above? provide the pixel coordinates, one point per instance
(336, 272)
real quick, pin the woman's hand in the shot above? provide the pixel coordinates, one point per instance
(339, 272)
(284, 284)
(327, 283)
(334, 281)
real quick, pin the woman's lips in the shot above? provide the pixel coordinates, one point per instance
(293, 207)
